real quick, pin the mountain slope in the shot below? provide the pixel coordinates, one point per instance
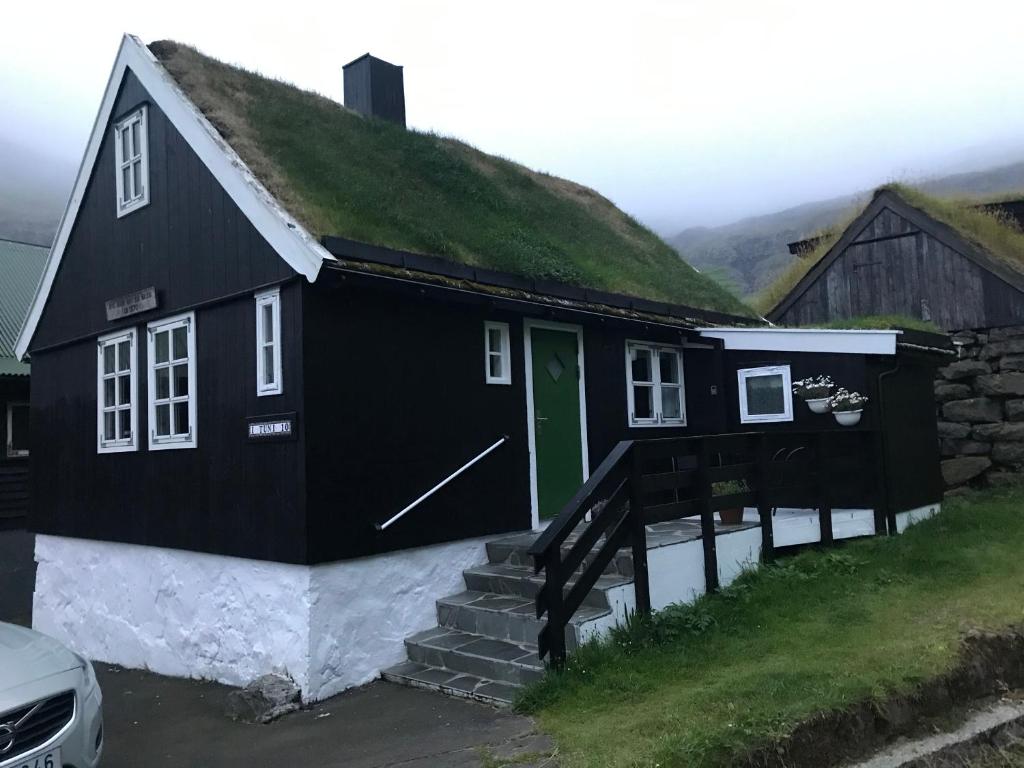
(748, 255)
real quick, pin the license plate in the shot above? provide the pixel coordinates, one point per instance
(48, 759)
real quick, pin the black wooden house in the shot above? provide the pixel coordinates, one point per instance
(273, 450)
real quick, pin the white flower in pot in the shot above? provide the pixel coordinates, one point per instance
(847, 406)
(815, 391)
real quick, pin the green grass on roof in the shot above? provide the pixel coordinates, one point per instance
(991, 231)
(882, 323)
(369, 180)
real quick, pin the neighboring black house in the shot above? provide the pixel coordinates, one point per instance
(959, 266)
(21, 264)
(242, 422)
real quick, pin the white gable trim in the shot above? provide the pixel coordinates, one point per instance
(850, 342)
(287, 236)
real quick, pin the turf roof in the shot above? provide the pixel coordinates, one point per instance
(369, 180)
(995, 233)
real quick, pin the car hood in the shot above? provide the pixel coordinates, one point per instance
(27, 656)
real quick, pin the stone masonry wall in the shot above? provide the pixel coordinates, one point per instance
(980, 400)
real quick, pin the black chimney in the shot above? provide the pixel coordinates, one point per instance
(375, 88)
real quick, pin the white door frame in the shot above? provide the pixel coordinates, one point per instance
(528, 325)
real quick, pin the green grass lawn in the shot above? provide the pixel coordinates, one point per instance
(817, 631)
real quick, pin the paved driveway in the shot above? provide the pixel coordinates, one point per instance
(17, 576)
(159, 721)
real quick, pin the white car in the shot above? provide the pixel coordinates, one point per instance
(51, 711)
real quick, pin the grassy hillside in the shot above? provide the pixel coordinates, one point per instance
(369, 180)
(751, 254)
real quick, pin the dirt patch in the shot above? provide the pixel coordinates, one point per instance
(988, 664)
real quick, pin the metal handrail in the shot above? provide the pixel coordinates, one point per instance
(439, 486)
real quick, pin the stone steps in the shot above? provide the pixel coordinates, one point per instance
(520, 581)
(485, 657)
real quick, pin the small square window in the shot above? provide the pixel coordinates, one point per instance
(654, 385)
(497, 354)
(131, 151)
(765, 394)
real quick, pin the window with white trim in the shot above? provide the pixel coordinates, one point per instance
(766, 394)
(497, 354)
(131, 150)
(268, 343)
(654, 385)
(171, 352)
(117, 388)
(17, 430)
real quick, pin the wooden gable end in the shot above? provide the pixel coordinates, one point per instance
(898, 261)
(191, 242)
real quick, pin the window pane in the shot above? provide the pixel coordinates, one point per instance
(124, 425)
(268, 365)
(163, 419)
(108, 425)
(19, 427)
(765, 395)
(136, 179)
(180, 346)
(108, 358)
(267, 314)
(671, 402)
(643, 402)
(181, 380)
(136, 144)
(641, 364)
(126, 183)
(180, 418)
(126, 151)
(108, 393)
(669, 367)
(494, 366)
(494, 340)
(161, 346)
(123, 356)
(163, 383)
(124, 389)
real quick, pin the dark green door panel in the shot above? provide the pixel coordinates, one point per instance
(556, 418)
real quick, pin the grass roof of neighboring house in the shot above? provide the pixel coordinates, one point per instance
(340, 173)
(21, 265)
(994, 232)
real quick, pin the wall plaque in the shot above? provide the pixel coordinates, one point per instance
(274, 428)
(131, 304)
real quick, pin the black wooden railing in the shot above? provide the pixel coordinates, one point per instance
(643, 482)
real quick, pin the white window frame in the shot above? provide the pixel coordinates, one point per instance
(11, 452)
(118, 445)
(504, 354)
(132, 200)
(657, 419)
(271, 298)
(787, 389)
(167, 442)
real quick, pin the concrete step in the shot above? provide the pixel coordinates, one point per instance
(511, 618)
(515, 580)
(477, 655)
(450, 682)
(514, 550)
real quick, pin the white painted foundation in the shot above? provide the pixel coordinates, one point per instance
(913, 516)
(188, 614)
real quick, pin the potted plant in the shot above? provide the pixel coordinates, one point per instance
(815, 391)
(847, 406)
(732, 515)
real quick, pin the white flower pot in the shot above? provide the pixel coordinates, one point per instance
(818, 405)
(847, 418)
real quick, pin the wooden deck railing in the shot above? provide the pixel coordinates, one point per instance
(643, 482)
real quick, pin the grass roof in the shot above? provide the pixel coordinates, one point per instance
(990, 230)
(343, 174)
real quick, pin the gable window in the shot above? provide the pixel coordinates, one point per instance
(654, 385)
(765, 394)
(116, 409)
(497, 354)
(172, 382)
(132, 156)
(268, 343)
(17, 430)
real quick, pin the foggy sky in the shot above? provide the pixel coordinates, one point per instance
(683, 113)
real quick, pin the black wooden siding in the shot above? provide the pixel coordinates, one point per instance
(14, 472)
(894, 268)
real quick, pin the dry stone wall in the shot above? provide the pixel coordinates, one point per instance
(980, 400)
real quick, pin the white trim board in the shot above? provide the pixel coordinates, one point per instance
(528, 325)
(850, 342)
(285, 235)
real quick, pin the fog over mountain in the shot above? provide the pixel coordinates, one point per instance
(748, 254)
(34, 189)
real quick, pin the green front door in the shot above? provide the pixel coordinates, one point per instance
(556, 418)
